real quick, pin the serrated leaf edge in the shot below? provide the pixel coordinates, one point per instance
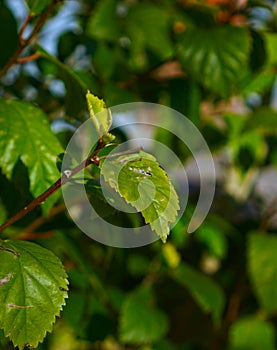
(55, 316)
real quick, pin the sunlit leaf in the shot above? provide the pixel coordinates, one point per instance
(140, 180)
(99, 114)
(25, 134)
(33, 288)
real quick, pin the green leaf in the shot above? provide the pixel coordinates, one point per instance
(259, 83)
(104, 62)
(148, 27)
(99, 202)
(75, 87)
(99, 114)
(115, 95)
(215, 62)
(104, 23)
(140, 322)
(252, 333)
(262, 267)
(208, 295)
(271, 48)
(25, 134)
(33, 288)
(214, 239)
(37, 7)
(9, 41)
(140, 180)
(264, 120)
(145, 26)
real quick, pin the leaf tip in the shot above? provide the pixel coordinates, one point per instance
(95, 104)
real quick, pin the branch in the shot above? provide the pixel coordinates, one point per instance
(31, 229)
(24, 43)
(28, 58)
(92, 159)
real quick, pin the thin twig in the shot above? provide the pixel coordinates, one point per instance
(22, 29)
(28, 58)
(34, 235)
(24, 43)
(42, 220)
(92, 159)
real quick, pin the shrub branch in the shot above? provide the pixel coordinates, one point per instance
(91, 159)
(23, 43)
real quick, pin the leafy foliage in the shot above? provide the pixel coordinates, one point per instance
(215, 62)
(262, 268)
(140, 321)
(26, 135)
(145, 185)
(33, 288)
(100, 115)
(209, 295)
(252, 333)
(76, 88)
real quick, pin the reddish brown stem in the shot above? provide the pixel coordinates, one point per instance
(33, 236)
(28, 58)
(92, 159)
(22, 29)
(40, 221)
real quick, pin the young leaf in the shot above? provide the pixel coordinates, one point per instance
(33, 288)
(25, 134)
(140, 180)
(100, 115)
